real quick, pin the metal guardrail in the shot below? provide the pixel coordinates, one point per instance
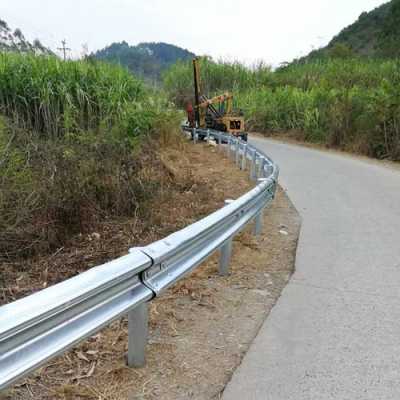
(45, 324)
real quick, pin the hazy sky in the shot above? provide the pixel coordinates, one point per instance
(274, 31)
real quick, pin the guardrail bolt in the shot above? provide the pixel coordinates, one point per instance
(138, 326)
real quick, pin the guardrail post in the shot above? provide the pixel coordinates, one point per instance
(237, 154)
(219, 141)
(258, 223)
(228, 148)
(208, 136)
(259, 217)
(243, 166)
(253, 166)
(138, 320)
(225, 253)
(233, 151)
(194, 135)
(263, 161)
(225, 258)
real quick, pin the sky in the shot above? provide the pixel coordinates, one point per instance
(246, 30)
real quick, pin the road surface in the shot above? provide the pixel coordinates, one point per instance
(335, 332)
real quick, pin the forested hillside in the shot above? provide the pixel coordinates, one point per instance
(147, 60)
(375, 34)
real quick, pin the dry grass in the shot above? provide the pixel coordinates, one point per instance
(189, 189)
(200, 328)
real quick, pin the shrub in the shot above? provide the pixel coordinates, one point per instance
(73, 149)
(350, 103)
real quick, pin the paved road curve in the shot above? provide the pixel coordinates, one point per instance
(335, 332)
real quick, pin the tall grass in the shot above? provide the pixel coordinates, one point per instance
(70, 137)
(349, 104)
(49, 96)
(337, 73)
(352, 104)
(215, 77)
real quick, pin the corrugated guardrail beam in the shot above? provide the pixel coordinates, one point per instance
(183, 251)
(37, 328)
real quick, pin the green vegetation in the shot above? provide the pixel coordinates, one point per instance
(52, 97)
(375, 34)
(346, 103)
(147, 60)
(70, 137)
(350, 104)
(74, 136)
(215, 77)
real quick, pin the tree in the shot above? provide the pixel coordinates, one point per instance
(340, 50)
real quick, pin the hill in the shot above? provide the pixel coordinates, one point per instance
(16, 41)
(147, 60)
(375, 34)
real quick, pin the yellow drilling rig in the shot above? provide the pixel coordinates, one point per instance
(216, 113)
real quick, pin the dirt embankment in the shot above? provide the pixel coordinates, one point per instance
(200, 328)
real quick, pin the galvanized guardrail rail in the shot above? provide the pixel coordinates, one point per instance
(45, 324)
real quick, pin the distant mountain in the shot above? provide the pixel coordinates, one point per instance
(148, 60)
(15, 41)
(374, 34)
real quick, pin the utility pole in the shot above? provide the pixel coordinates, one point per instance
(64, 49)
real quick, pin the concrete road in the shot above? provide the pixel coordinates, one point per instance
(335, 332)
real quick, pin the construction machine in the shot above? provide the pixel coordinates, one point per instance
(216, 113)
